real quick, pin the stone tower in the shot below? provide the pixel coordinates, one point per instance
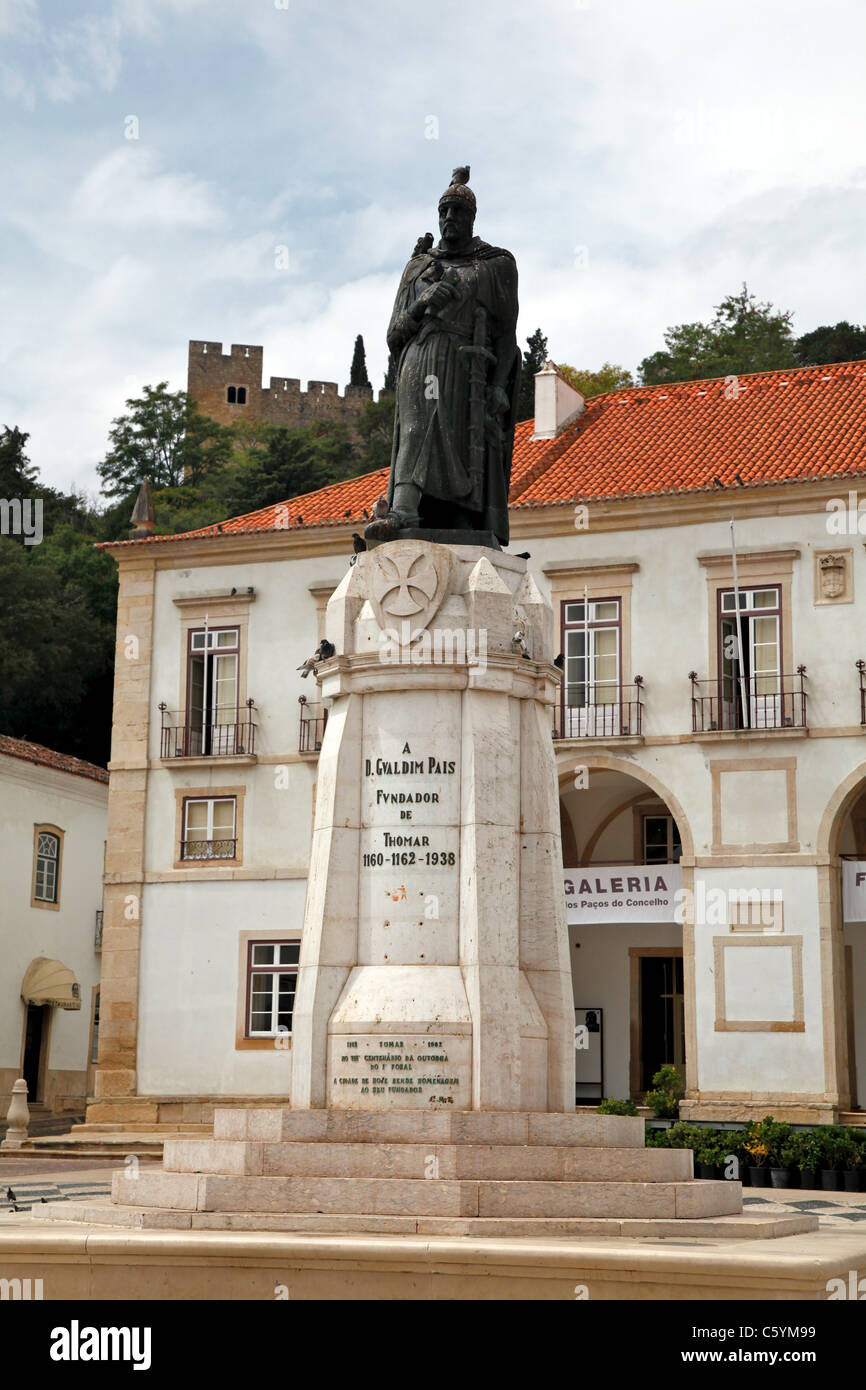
(228, 387)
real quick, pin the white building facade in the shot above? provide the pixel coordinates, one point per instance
(713, 807)
(53, 812)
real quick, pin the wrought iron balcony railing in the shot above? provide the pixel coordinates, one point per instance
(207, 849)
(311, 730)
(753, 702)
(192, 737)
(614, 711)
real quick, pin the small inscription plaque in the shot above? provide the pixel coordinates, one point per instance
(408, 1072)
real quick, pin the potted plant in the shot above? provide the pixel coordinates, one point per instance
(683, 1135)
(850, 1158)
(809, 1150)
(668, 1089)
(610, 1106)
(778, 1135)
(830, 1157)
(757, 1145)
(791, 1156)
(733, 1164)
(859, 1137)
(710, 1156)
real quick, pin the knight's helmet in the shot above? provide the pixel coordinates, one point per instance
(459, 190)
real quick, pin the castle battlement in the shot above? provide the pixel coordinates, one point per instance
(229, 385)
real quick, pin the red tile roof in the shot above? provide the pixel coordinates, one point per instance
(768, 427)
(46, 757)
(645, 441)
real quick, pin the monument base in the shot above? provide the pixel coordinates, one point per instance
(410, 1172)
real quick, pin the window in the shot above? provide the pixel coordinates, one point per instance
(209, 828)
(751, 697)
(591, 689)
(46, 867)
(212, 692)
(272, 975)
(242, 395)
(661, 840)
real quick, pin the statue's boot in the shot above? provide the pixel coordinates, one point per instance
(387, 528)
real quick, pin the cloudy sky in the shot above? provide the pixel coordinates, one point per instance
(641, 160)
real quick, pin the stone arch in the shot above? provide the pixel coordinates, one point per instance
(604, 762)
(570, 853)
(840, 803)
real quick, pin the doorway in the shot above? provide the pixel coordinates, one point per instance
(212, 705)
(658, 1015)
(35, 1039)
(751, 698)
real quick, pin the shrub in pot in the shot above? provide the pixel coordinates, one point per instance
(849, 1159)
(859, 1137)
(810, 1158)
(791, 1157)
(610, 1106)
(710, 1156)
(778, 1134)
(830, 1157)
(757, 1143)
(683, 1135)
(668, 1090)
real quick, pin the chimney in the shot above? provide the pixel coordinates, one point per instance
(556, 403)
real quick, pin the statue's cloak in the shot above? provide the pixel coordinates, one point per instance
(437, 381)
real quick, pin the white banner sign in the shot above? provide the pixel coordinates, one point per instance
(854, 890)
(627, 893)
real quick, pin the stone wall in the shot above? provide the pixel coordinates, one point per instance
(211, 372)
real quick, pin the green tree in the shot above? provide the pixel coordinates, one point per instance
(843, 342)
(609, 377)
(533, 360)
(744, 336)
(164, 437)
(389, 385)
(294, 460)
(18, 476)
(55, 655)
(358, 372)
(376, 429)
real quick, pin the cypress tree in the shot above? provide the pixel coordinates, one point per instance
(533, 361)
(358, 373)
(389, 386)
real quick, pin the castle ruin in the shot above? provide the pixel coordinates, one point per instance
(229, 386)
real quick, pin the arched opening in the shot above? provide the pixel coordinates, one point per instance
(623, 837)
(842, 839)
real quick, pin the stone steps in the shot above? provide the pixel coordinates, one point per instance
(273, 1168)
(420, 1197)
(276, 1125)
(750, 1226)
(540, 1162)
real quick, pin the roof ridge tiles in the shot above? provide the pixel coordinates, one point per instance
(30, 752)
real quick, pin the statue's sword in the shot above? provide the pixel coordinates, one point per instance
(479, 356)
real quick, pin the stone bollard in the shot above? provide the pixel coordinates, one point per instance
(17, 1117)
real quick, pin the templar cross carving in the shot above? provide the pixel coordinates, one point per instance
(405, 584)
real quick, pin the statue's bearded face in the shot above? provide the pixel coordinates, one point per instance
(456, 220)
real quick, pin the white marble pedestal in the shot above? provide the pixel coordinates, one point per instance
(434, 965)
